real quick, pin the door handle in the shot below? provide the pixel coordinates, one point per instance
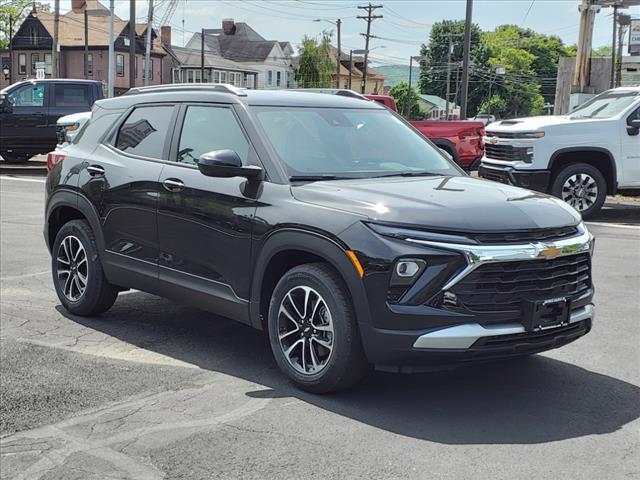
(95, 170)
(173, 184)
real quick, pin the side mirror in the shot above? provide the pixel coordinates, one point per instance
(227, 164)
(5, 104)
(633, 126)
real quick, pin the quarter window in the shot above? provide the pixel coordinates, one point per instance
(145, 131)
(206, 129)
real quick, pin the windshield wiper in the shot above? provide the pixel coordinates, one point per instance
(316, 178)
(409, 174)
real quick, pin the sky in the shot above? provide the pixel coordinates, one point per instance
(404, 27)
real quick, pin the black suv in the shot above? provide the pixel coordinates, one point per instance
(29, 111)
(326, 220)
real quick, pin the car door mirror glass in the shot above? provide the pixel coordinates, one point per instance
(226, 164)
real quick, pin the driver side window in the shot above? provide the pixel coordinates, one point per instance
(28, 96)
(206, 129)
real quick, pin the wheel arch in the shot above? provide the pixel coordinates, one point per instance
(65, 205)
(447, 145)
(288, 248)
(598, 157)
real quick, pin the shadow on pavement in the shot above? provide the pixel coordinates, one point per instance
(532, 400)
(613, 212)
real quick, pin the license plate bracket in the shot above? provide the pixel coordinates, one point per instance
(544, 314)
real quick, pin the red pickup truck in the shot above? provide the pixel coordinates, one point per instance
(461, 139)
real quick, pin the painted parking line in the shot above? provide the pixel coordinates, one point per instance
(22, 179)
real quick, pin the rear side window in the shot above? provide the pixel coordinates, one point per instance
(145, 131)
(67, 95)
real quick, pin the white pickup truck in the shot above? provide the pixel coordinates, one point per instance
(579, 158)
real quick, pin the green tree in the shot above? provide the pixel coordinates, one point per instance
(406, 100)
(16, 9)
(315, 66)
(433, 68)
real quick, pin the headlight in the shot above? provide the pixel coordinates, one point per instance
(72, 128)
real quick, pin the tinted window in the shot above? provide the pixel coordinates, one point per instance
(28, 96)
(210, 128)
(145, 131)
(71, 96)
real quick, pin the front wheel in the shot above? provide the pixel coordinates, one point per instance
(313, 331)
(15, 157)
(581, 186)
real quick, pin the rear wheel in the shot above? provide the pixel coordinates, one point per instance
(77, 272)
(313, 331)
(581, 186)
(11, 157)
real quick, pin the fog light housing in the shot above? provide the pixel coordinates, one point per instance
(406, 270)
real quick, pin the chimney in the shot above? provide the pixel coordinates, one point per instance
(228, 26)
(165, 35)
(78, 5)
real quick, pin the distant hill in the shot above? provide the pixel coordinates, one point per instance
(397, 73)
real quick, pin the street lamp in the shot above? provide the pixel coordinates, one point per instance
(6, 71)
(337, 23)
(360, 52)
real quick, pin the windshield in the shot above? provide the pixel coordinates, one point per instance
(606, 105)
(327, 143)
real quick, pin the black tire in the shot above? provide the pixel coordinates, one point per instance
(98, 295)
(346, 365)
(15, 157)
(560, 188)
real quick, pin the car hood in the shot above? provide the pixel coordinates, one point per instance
(536, 123)
(461, 204)
(74, 118)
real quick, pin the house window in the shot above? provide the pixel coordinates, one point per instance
(232, 78)
(223, 77)
(48, 64)
(193, 75)
(120, 65)
(35, 58)
(278, 78)
(238, 82)
(250, 81)
(34, 36)
(90, 64)
(270, 78)
(216, 76)
(286, 79)
(22, 64)
(127, 41)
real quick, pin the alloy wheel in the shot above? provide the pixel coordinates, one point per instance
(305, 330)
(72, 268)
(580, 191)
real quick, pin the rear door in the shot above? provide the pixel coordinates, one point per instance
(120, 178)
(25, 127)
(205, 223)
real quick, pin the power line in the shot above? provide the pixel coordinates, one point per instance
(526, 15)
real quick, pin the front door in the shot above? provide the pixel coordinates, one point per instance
(24, 129)
(205, 223)
(120, 178)
(630, 151)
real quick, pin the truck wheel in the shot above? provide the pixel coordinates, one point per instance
(313, 331)
(581, 186)
(15, 157)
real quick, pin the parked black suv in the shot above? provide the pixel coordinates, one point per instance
(29, 111)
(326, 220)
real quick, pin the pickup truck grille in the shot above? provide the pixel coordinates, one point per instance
(503, 286)
(507, 153)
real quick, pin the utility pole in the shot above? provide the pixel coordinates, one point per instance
(86, 44)
(582, 73)
(369, 18)
(202, 55)
(406, 106)
(10, 49)
(465, 60)
(350, 66)
(338, 23)
(449, 76)
(612, 83)
(54, 45)
(623, 22)
(111, 77)
(132, 43)
(147, 55)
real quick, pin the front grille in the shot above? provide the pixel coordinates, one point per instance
(60, 134)
(507, 153)
(504, 134)
(520, 237)
(501, 287)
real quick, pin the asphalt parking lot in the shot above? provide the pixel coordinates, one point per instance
(155, 389)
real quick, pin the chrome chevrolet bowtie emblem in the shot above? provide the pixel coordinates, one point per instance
(493, 140)
(549, 251)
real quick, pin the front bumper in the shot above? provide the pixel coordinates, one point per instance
(534, 180)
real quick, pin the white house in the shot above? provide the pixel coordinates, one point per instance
(239, 43)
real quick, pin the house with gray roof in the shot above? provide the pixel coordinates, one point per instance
(241, 44)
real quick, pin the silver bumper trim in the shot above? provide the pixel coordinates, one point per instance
(463, 336)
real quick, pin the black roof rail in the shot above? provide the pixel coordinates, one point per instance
(343, 92)
(185, 87)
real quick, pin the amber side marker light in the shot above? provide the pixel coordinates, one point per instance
(356, 263)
